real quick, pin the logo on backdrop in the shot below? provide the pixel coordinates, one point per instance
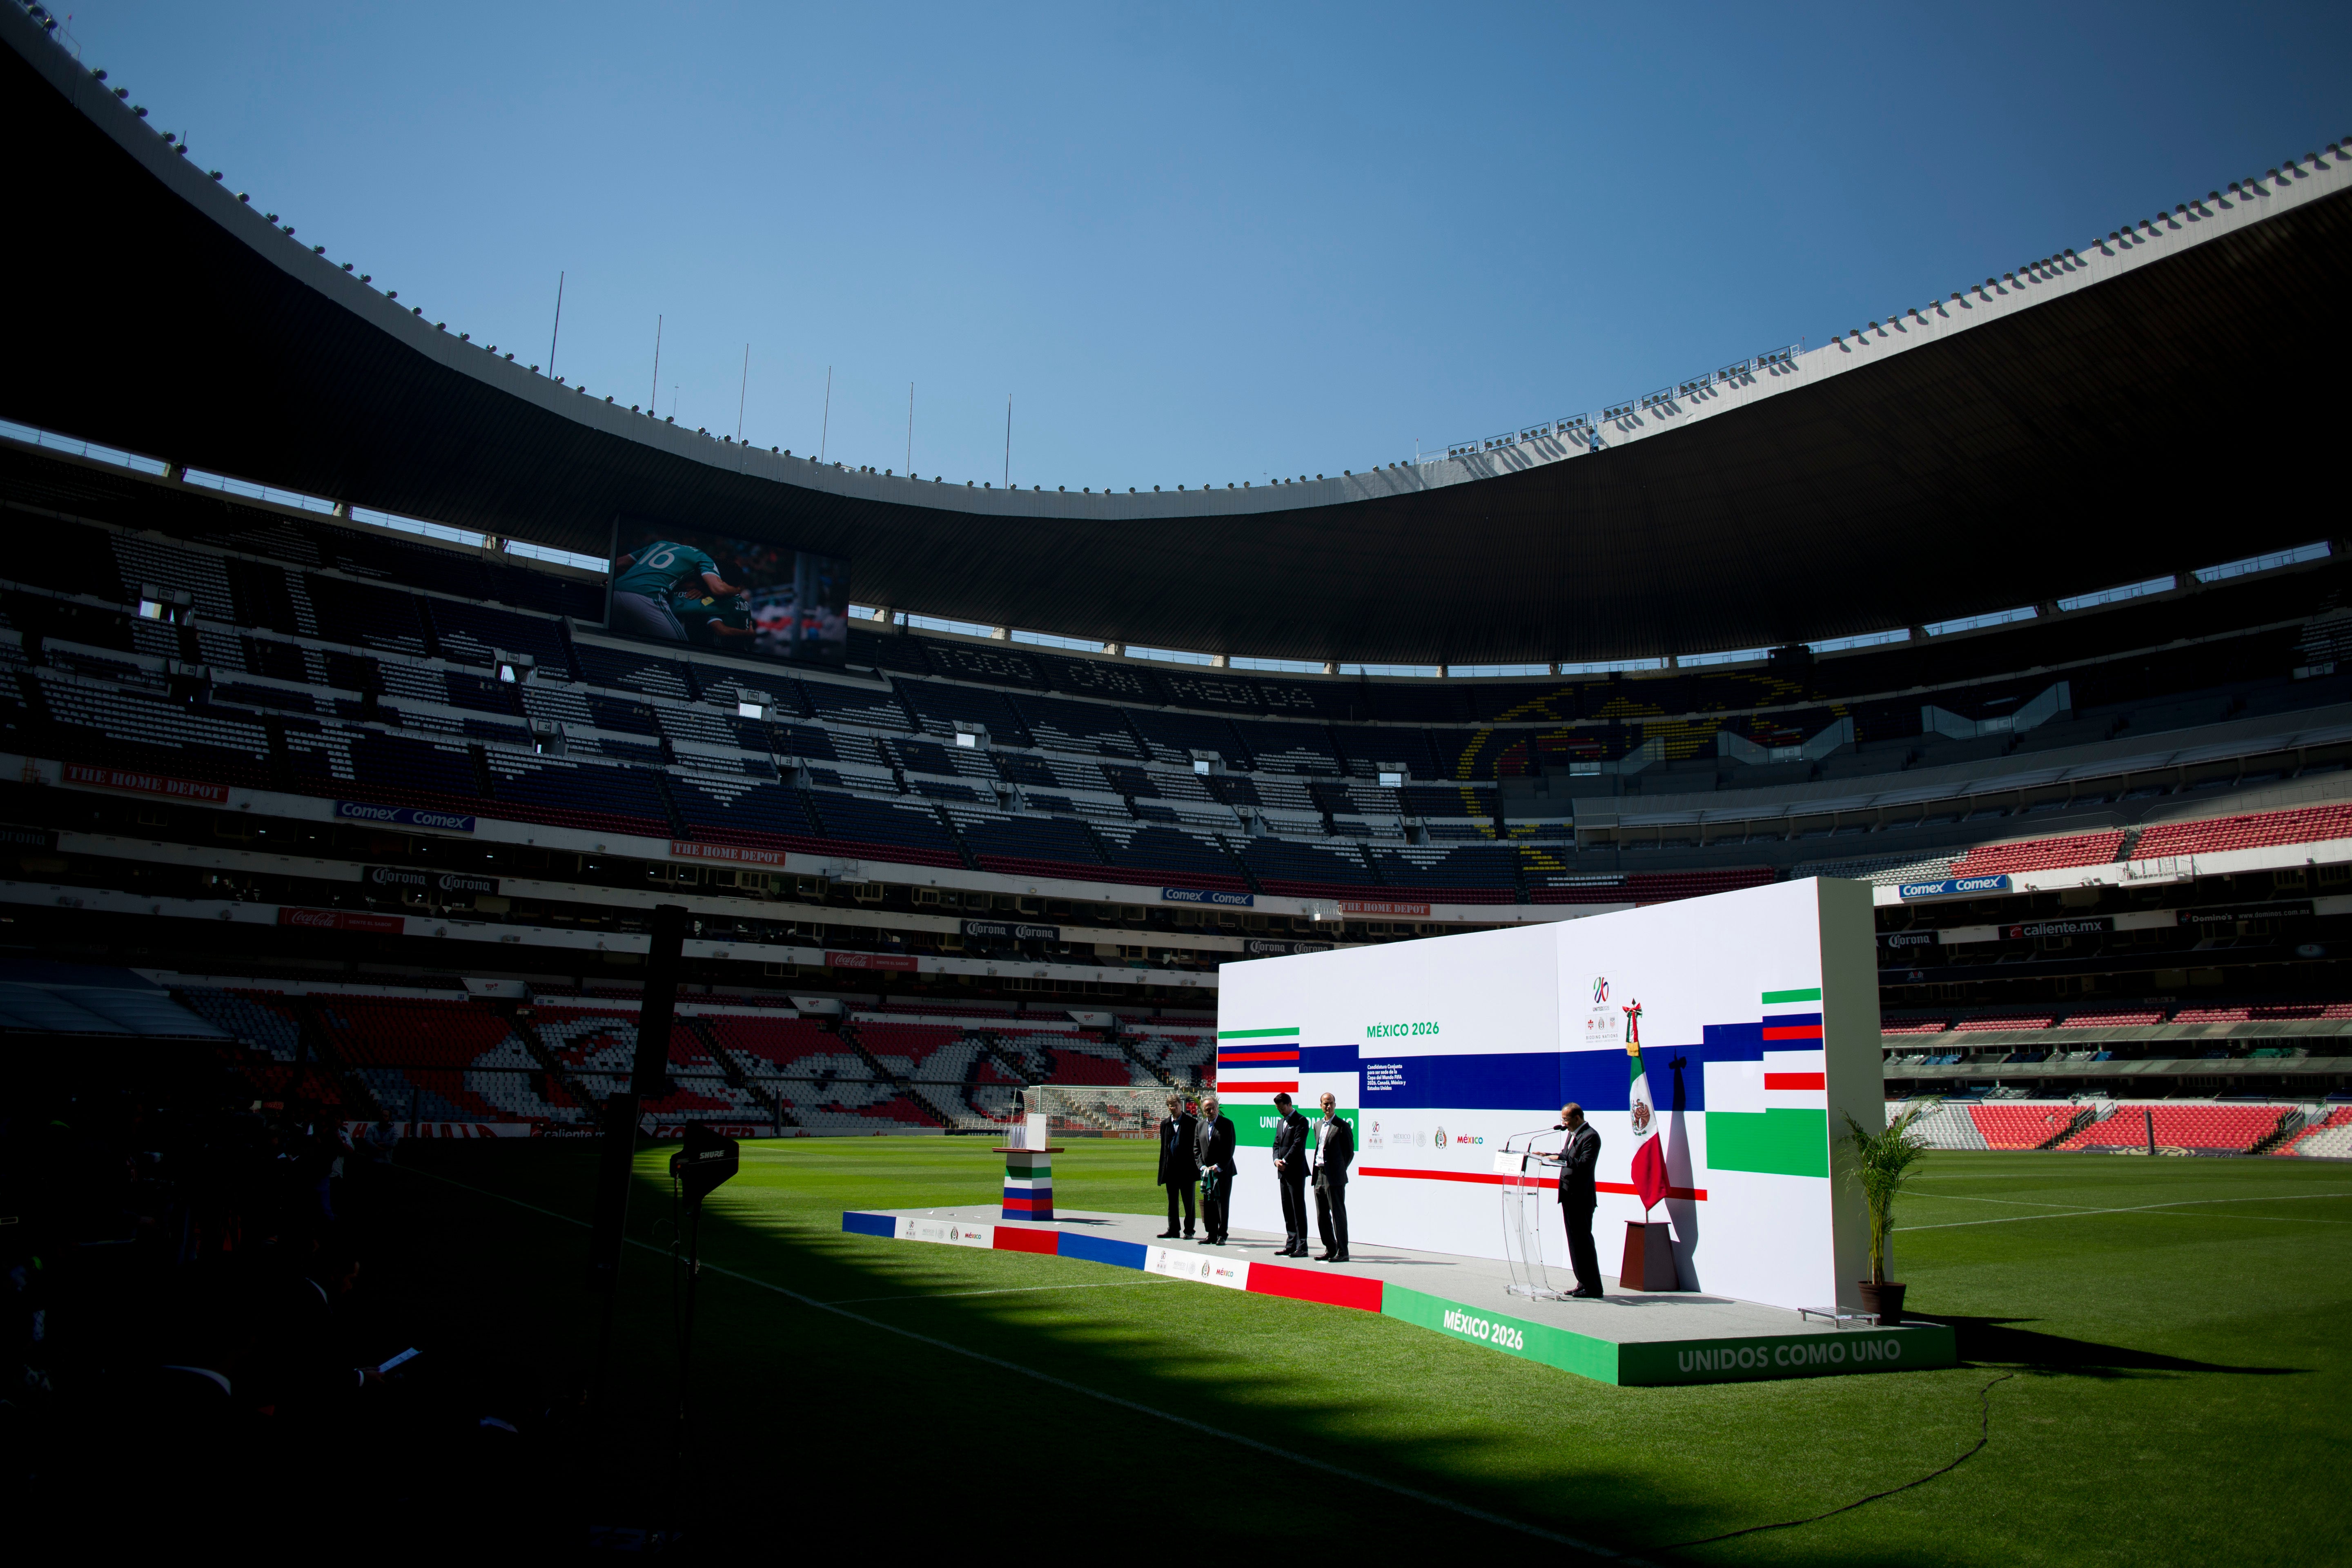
(1600, 1020)
(1440, 1137)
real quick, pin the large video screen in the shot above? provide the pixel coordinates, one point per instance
(727, 595)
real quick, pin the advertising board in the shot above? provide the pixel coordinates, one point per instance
(1758, 1016)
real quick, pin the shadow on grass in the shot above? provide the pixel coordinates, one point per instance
(2000, 1342)
(918, 1379)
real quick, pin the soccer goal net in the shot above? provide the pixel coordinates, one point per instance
(1096, 1111)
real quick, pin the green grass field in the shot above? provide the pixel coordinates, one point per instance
(2173, 1327)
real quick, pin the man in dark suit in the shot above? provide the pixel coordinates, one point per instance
(1179, 1162)
(1578, 1158)
(1290, 1141)
(1212, 1150)
(1335, 1149)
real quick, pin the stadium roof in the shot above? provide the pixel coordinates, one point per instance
(2162, 397)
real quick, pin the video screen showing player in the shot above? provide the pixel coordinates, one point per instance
(730, 596)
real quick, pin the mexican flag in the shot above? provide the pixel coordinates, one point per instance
(1649, 1148)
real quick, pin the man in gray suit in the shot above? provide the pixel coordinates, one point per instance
(1577, 1159)
(1335, 1151)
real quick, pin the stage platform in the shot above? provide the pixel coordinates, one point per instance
(1629, 1337)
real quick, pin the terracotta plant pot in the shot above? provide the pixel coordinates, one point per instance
(1883, 1302)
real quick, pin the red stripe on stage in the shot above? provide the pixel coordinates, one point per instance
(1269, 1087)
(1793, 1032)
(1491, 1178)
(1796, 1080)
(1012, 1238)
(1306, 1285)
(1224, 1057)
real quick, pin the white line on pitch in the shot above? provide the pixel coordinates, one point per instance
(1415, 1493)
(2145, 1208)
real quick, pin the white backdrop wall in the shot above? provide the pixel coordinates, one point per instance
(1759, 1024)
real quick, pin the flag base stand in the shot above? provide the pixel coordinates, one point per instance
(1835, 1316)
(1649, 1262)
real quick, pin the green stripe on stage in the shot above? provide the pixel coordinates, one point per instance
(1579, 1353)
(1635, 1363)
(1252, 1034)
(1804, 993)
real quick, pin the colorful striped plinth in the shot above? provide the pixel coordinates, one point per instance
(1746, 1347)
(1028, 1184)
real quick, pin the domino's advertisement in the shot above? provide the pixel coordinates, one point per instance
(1757, 1013)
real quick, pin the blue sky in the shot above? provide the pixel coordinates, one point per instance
(1199, 245)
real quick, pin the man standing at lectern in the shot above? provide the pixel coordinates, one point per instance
(1335, 1149)
(1290, 1140)
(1579, 1156)
(1178, 1167)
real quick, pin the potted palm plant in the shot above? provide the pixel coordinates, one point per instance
(1883, 1162)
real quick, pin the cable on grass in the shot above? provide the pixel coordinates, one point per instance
(1984, 1436)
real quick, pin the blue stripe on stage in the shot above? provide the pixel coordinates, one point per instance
(881, 1225)
(1102, 1249)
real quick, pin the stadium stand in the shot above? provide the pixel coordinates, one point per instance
(2216, 835)
(2023, 1125)
(1945, 1126)
(1990, 1023)
(2040, 855)
(354, 668)
(2222, 1128)
(2327, 1138)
